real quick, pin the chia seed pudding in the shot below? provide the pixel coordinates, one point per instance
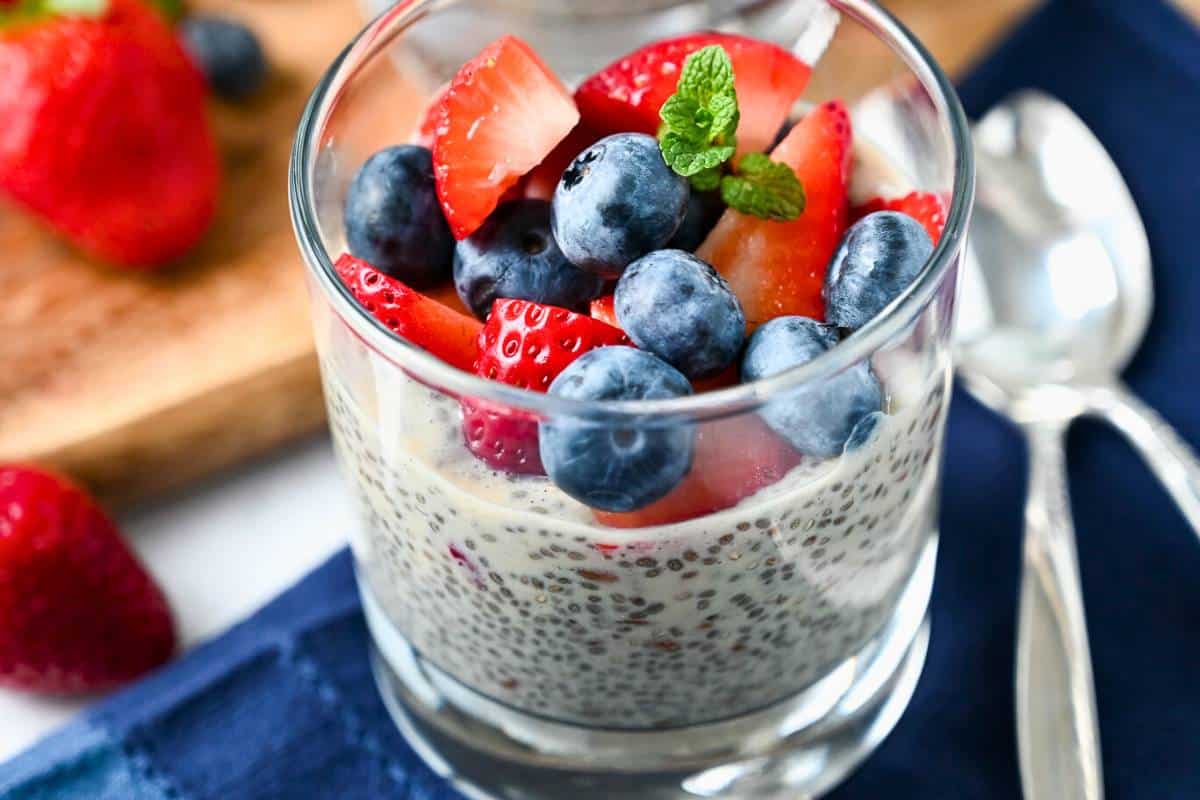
(508, 585)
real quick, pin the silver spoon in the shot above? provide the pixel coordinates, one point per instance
(1056, 297)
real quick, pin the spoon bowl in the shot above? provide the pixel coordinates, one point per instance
(1057, 289)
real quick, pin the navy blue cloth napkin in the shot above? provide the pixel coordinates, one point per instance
(284, 706)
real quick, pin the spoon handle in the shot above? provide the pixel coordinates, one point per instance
(1057, 734)
(1169, 456)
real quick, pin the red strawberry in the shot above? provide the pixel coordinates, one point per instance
(543, 180)
(78, 613)
(604, 309)
(734, 458)
(627, 94)
(426, 133)
(502, 437)
(105, 134)
(447, 295)
(421, 320)
(777, 268)
(430, 120)
(927, 208)
(502, 115)
(525, 344)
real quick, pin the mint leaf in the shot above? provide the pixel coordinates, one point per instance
(764, 188)
(700, 119)
(725, 116)
(706, 73)
(706, 181)
(687, 157)
(77, 8)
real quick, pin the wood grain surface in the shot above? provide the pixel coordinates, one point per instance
(137, 385)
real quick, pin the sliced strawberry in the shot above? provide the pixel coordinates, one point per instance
(541, 182)
(421, 320)
(734, 458)
(502, 115)
(502, 437)
(447, 295)
(627, 94)
(927, 208)
(525, 344)
(777, 268)
(431, 118)
(605, 309)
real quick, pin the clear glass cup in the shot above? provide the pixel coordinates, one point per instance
(526, 649)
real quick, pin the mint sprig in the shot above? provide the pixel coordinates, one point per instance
(765, 188)
(698, 138)
(27, 11)
(699, 121)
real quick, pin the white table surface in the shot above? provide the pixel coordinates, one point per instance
(219, 551)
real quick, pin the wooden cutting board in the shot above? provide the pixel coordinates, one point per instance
(138, 384)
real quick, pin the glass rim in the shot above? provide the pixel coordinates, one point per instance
(720, 403)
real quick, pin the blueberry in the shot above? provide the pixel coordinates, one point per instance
(703, 211)
(677, 307)
(393, 218)
(611, 466)
(513, 254)
(617, 201)
(819, 420)
(877, 259)
(227, 52)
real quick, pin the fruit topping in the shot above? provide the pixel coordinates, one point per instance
(628, 94)
(817, 419)
(604, 309)
(617, 201)
(611, 465)
(514, 255)
(527, 345)
(503, 113)
(503, 438)
(393, 219)
(703, 211)
(431, 119)
(878, 258)
(778, 268)
(421, 320)
(927, 208)
(543, 179)
(735, 458)
(676, 306)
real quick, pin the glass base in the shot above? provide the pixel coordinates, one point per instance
(798, 748)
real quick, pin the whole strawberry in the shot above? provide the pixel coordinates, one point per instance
(78, 613)
(105, 135)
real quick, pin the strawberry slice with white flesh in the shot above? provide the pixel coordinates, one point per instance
(502, 114)
(778, 268)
